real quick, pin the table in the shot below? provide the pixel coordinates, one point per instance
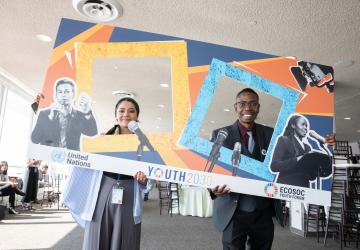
(195, 201)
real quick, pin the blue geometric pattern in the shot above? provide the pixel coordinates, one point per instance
(190, 137)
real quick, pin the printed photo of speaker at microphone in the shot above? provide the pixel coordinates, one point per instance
(301, 156)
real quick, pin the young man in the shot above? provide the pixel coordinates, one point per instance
(246, 219)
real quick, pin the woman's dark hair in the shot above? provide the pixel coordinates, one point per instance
(128, 99)
(4, 163)
(289, 130)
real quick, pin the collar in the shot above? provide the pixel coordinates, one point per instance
(244, 130)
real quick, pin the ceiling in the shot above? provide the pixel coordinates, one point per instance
(325, 32)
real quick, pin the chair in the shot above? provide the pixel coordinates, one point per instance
(164, 198)
(48, 197)
(342, 151)
(173, 197)
(335, 215)
(314, 217)
(335, 219)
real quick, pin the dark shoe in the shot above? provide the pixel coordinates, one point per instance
(19, 192)
(12, 211)
(36, 202)
(146, 198)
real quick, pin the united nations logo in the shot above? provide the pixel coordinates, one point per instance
(58, 156)
(271, 190)
(158, 172)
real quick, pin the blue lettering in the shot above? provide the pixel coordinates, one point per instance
(167, 174)
(175, 174)
(150, 170)
(182, 176)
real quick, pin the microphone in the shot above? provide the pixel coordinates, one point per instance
(214, 153)
(235, 159)
(220, 138)
(133, 126)
(317, 137)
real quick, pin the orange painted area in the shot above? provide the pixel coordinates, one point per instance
(52, 75)
(61, 67)
(195, 83)
(196, 162)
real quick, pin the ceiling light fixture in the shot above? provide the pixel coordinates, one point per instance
(164, 85)
(227, 110)
(161, 106)
(43, 38)
(347, 118)
(98, 10)
(123, 94)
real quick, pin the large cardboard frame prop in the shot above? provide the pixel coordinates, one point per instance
(305, 89)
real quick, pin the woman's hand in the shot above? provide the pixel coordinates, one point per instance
(331, 139)
(220, 190)
(141, 178)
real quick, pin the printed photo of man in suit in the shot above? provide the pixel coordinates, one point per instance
(62, 124)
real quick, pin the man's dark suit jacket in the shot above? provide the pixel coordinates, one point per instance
(225, 205)
(294, 172)
(47, 132)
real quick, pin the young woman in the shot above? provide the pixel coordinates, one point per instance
(109, 225)
(8, 188)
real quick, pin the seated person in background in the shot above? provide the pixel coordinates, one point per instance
(8, 188)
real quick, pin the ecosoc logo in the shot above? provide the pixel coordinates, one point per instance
(58, 156)
(271, 190)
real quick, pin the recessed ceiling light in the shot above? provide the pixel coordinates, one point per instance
(212, 122)
(99, 11)
(43, 38)
(161, 105)
(347, 118)
(116, 67)
(344, 63)
(164, 85)
(122, 94)
(227, 110)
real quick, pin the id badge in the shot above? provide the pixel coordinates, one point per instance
(117, 195)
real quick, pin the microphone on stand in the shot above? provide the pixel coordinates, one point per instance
(215, 150)
(317, 137)
(133, 126)
(236, 156)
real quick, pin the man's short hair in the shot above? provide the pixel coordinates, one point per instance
(248, 90)
(65, 80)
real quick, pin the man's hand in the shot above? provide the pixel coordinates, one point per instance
(141, 178)
(220, 190)
(84, 103)
(38, 97)
(331, 139)
(57, 108)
